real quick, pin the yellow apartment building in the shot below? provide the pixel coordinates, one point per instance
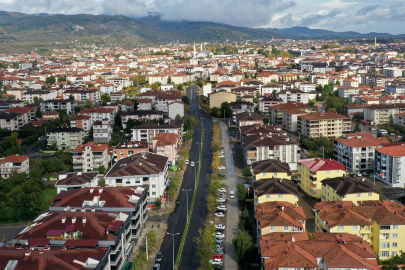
(275, 190)
(312, 171)
(216, 99)
(348, 189)
(271, 168)
(380, 223)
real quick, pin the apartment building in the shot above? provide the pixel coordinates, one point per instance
(117, 96)
(348, 189)
(174, 109)
(271, 168)
(88, 157)
(76, 180)
(141, 169)
(395, 87)
(276, 112)
(165, 144)
(27, 115)
(388, 166)
(148, 130)
(294, 95)
(274, 190)
(40, 94)
(160, 100)
(14, 163)
(102, 131)
(346, 91)
(307, 87)
(127, 106)
(126, 149)
(379, 223)
(217, 98)
(81, 121)
(313, 170)
(290, 119)
(266, 102)
(356, 150)
(248, 119)
(10, 121)
(99, 114)
(380, 113)
(58, 104)
(83, 94)
(259, 129)
(65, 138)
(326, 124)
(140, 115)
(293, 250)
(399, 119)
(268, 146)
(269, 89)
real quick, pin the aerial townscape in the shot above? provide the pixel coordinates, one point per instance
(161, 144)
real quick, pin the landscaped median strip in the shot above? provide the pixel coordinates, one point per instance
(183, 238)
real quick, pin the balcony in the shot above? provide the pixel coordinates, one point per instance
(116, 260)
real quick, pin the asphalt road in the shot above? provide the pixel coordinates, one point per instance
(177, 219)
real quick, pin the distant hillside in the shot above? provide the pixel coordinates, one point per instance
(23, 32)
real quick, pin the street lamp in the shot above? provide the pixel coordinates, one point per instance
(173, 234)
(186, 190)
(146, 235)
(195, 174)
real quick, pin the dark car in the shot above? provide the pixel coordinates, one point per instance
(178, 201)
(159, 257)
(220, 211)
(221, 175)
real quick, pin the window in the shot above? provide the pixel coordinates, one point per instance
(280, 196)
(394, 244)
(268, 196)
(384, 244)
(354, 227)
(337, 171)
(385, 227)
(264, 174)
(394, 235)
(358, 195)
(341, 228)
(272, 228)
(153, 193)
(394, 253)
(327, 172)
(370, 194)
(153, 186)
(274, 174)
(395, 227)
(297, 268)
(118, 181)
(286, 228)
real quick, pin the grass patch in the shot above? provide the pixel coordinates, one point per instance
(101, 183)
(222, 186)
(48, 192)
(222, 178)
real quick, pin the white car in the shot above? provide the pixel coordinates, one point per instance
(221, 156)
(192, 164)
(221, 194)
(218, 241)
(219, 214)
(216, 261)
(219, 247)
(222, 190)
(221, 200)
(218, 235)
(222, 207)
(221, 167)
(218, 252)
(220, 227)
(373, 129)
(187, 161)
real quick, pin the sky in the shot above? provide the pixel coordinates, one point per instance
(362, 16)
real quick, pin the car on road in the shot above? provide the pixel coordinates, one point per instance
(187, 161)
(192, 164)
(221, 167)
(222, 190)
(219, 214)
(216, 261)
(221, 175)
(222, 207)
(159, 256)
(383, 131)
(220, 227)
(393, 134)
(232, 194)
(220, 235)
(178, 201)
(221, 200)
(373, 129)
(156, 266)
(219, 247)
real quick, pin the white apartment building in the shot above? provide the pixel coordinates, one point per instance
(294, 95)
(389, 166)
(65, 138)
(392, 71)
(307, 87)
(88, 157)
(58, 104)
(327, 124)
(40, 94)
(397, 87)
(356, 151)
(102, 131)
(99, 114)
(290, 119)
(346, 91)
(380, 113)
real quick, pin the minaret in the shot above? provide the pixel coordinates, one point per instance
(201, 47)
(194, 50)
(375, 41)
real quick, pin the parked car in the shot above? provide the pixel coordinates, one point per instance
(219, 252)
(221, 200)
(232, 194)
(218, 241)
(178, 201)
(220, 235)
(220, 226)
(393, 134)
(221, 175)
(218, 267)
(159, 256)
(358, 174)
(219, 247)
(219, 214)
(219, 257)
(221, 167)
(364, 173)
(221, 156)
(187, 161)
(216, 261)
(156, 266)
(222, 190)
(222, 207)
(220, 211)
(373, 129)
(221, 194)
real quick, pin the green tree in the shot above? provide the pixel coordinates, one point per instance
(71, 97)
(169, 79)
(241, 193)
(101, 169)
(50, 80)
(357, 128)
(225, 107)
(185, 100)
(158, 204)
(243, 247)
(246, 172)
(88, 103)
(205, 245)
(155, 86)
(152, 241)
(105, 97)
(140, 261)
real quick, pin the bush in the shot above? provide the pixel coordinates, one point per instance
(140, 261)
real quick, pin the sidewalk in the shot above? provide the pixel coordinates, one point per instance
(232, 215)
(160, 229)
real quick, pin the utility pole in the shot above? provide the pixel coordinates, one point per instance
(187, 190)
(173, 234)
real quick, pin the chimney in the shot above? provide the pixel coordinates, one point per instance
(73, 209)
(84, 209)
(27, 252)
(41, 251)
(84, 220)
(100, 190)
(91, 190)
(73, 219)
(64, 248)
(282, 208)
(63, 219)
(79, 173)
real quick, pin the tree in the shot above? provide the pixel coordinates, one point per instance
(185, 100)
(105, 97)
(38, 113)
(140, 261)
(152, 241)
(50, 80)
(88, 103)
(357, 128)
(211, 203)
(225, 107)
(246, 172)
(241, 193)
(158, 204)
(243, 247)
(35, 63)
(38, 100)
(205, 245)
(101, 169)
(155, 86)
(71, 97)
(169, 79)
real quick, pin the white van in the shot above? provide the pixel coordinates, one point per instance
(232, 195)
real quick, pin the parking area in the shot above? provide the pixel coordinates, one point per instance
(8, 231)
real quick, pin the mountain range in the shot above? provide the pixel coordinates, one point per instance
(21, 32)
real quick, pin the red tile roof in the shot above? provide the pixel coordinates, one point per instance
(14, 158)
(95, 147)
(393, 151)
(321, 164)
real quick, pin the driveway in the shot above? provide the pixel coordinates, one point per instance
(307, 204)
